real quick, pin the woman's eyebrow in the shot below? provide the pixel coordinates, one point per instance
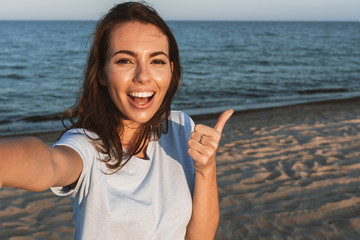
(154, 54)
(124, 52)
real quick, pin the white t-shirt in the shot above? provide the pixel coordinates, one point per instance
(146, 199)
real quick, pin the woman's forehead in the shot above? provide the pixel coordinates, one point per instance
(135, 33)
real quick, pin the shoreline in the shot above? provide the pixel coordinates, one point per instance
(261, 107)
(198, 114)
(205, 116)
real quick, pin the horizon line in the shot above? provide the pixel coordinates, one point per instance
(198, 20)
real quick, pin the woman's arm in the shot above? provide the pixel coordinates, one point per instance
(203, 145)
(30, 164)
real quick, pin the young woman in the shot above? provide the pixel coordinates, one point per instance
(133, 168)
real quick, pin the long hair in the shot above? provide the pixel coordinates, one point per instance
(96, 112)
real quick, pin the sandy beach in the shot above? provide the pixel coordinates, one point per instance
(283, 173)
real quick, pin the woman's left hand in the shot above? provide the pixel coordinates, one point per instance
(204, 142)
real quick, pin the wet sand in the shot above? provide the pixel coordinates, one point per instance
(283, 173)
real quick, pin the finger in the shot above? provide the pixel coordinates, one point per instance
(223, 119)
(203, 150)
(206, 136)
(198, 157)
(201, 129)
(196, 136)
(204, 141)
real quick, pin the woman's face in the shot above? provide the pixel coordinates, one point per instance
(137, 70)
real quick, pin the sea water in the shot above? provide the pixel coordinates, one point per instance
(240, 65)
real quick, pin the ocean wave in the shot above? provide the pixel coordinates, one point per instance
(14, 67)
(330, 90)
(12, 76)
(224, 64)
(43, 118)
(5, 121)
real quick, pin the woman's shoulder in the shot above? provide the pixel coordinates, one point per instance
(180, 117)
(78, 137)
(180, 122)
(80, 133)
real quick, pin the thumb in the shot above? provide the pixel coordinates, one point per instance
(223, 119)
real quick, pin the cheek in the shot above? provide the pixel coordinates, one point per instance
(167, 81)
(171, 83)
(165, 88)
(117, 79)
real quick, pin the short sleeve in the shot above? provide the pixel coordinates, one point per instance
(186, 123)
(82, 142)
(175, 144)
(189, 124)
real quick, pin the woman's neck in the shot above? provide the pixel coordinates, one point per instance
(128, 137)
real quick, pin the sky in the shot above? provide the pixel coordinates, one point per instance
(245, 10)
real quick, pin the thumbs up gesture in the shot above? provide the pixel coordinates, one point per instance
(204, 142)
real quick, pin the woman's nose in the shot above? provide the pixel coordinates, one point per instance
(142, 74)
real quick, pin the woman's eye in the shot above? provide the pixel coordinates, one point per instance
(158, 61)
(123, 61)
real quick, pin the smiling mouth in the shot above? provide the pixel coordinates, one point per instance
(141, 98)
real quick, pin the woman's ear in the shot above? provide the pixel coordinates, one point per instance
(102, 79)
(172, 66)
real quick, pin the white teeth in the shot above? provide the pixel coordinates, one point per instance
(141, 94)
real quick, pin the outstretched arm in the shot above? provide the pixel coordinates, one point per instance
(30, 164)
(203, 145)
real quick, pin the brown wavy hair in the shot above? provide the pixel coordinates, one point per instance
(96, 112)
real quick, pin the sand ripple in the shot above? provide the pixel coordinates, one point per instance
(292, 176)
